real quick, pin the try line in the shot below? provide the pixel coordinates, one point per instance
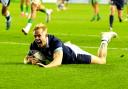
(27, 44)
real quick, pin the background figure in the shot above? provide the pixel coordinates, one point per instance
(5, 12)
(63, 53)
(62, 4)
(115, 4)
(126, 19)
(26, 6)
(36, 6)
(95, 5)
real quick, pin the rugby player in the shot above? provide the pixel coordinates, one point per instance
(115, 4)
(126, 19)
(64, 53)
(27, 4)
(6, 13)
(95, 5)
(62, 4)
(36, 5)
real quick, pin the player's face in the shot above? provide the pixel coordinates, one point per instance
(40, 38)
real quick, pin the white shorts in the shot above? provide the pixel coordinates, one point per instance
(5, 2)
(76, 49)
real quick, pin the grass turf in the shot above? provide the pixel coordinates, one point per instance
(74, 25)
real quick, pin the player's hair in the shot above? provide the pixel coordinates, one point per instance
(41, 26)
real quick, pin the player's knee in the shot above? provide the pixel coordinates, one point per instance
(102, 61)
(97, 60)
(4, 12)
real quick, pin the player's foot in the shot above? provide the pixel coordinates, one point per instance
(107, 36)
(98, 18)
(93, 19)
(8, 24)
(60, 7)
(126, 19)
(120, 20)
(64, 8)
(23, 30)
(49, 12)
(22, 14)
(110, 28)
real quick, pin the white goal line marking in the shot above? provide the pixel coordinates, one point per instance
(82, 35)
(27, 44)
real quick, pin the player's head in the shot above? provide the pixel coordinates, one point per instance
(40, 34)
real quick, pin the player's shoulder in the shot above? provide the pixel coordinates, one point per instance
(51, 37)
(53, 40)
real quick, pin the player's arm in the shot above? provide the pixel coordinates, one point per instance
(57, 59)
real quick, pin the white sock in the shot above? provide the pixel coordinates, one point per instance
(27, 28)
(105, 38)
(105, 42)
(47, 11)
(8, 14)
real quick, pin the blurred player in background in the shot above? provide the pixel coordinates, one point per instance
(115, 4)
(5, 12)
(62, 4)
(36, 5)
(95, 5)
(126, 19)
(26, 6)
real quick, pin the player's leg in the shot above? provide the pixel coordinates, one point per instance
(126, 19)
(60, 5)
(30, 20)
(94, 10)
(48, 12)
(97, 11)
(126, 10)
(6, 13)
(85, 57)
(27, 7)
(111, 16)
(66, 3)
(102, 52)
(22, 7)
(119, 9)
(120, 15)
(95, 6)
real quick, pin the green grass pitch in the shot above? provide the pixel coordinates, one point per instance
(72, 25)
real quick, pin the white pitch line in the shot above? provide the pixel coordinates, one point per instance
(14, 43)
(108, 48)
(81, 35)
(27, 44)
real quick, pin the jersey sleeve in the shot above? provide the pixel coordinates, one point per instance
(33, 48)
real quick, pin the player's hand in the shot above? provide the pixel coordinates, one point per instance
(32, 60)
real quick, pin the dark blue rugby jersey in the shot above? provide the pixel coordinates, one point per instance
(119, 1)
(53, 43)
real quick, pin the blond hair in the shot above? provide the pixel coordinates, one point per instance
(41, 26)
